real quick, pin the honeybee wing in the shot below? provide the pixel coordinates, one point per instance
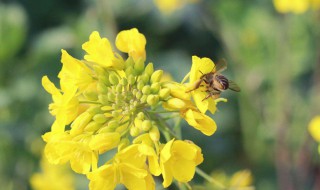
(221, 65)
(233, 86)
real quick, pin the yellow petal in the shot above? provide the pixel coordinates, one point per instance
(183, 170)
(99, 51)
(49, 86)
(103, 142)
(133, 43)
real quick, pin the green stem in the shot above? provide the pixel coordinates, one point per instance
(209, 178)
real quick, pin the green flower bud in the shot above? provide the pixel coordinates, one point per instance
(146, 90)
(164, 93)
(139, 66)
(134, 131)
(146, 125)
(140, 85)
(155, 87)
(152, 100)
(111, 96)
(113, 78)
(140, 115)
(104, 79)
(119, 88)
(106, 129)
(99, 118)
(94, 110)
(115, 113)
(103, 99)
(113, 124)
(129, 62)
(138, 95)
(131, 79)
(149, 69)
(92, 126)
(145, 77)
(154, 133)
(124, 81)
(102, 88)
(129, 71)
(92, 96)
(121, 129)
(143, 99)
(156, 76)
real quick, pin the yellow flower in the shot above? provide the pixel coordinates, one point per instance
(178, 159)
(133, 43)
(74, 73)
(65, 106)
(128, 168)
(62, 147)
(99, 51)
(242, 179)
(169, 6)
(314, 128)
(198, 68)
(52, 177)
(199, 121)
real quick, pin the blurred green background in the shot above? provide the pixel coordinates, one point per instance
(275, 59)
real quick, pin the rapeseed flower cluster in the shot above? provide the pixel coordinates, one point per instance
(109, 102)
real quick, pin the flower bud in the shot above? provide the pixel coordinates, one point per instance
(111, 96)
(164, 93)
(103, 99)
(151, 100)
(176, 103)
(145, 77)
(90, 95)
(124, 82)
(140, 115)
(129, 71)
(119, 88)
(102, 88)
(156, 76)
(146, 125)
(113, 78)
(131, 79)
(149, 69)
(155, 87)
(134, 131)
(140, 85)
(143, 99)
(139, 66)
(146, 89)
(113, 124)
(92, 126)
(154, 133)
(138, 95)
(100, 118)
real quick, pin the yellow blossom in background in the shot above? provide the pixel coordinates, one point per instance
(178, 161)
(169, 6)
(239, 180)
(295, 6)
(314, 128)
(52, 177)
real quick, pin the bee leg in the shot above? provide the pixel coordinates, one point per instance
(196, 85)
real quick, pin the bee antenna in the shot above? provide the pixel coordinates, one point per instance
(200, 72)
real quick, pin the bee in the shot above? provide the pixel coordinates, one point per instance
(215, 82)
